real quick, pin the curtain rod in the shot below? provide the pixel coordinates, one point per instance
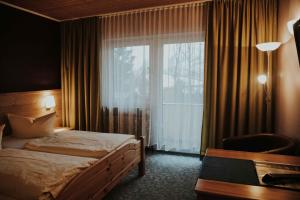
(199, 2)
(169, 6)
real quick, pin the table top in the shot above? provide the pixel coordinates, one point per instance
(214, 189)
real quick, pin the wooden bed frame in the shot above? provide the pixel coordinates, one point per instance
(96, 181)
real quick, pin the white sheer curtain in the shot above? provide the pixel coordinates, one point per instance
(152, 75)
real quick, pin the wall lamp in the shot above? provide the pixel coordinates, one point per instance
(49, 102)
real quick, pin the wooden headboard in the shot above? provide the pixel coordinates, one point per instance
(29, 104)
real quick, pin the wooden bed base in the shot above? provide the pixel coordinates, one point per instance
(96, 181)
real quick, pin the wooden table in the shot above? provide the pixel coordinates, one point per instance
(210, 189)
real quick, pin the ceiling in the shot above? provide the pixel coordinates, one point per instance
(72, 9)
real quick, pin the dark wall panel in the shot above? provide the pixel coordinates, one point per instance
(29, 51)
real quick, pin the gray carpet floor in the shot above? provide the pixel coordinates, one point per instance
(168, 176)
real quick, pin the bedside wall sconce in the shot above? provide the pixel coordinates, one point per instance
(49, 102)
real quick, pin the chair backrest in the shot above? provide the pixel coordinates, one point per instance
(264, 143)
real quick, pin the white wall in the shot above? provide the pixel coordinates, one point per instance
(288, 88)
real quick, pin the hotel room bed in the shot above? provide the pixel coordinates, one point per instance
(91, 183)
(96, 181)
(114, 160)
(74, 142)
(37, 175)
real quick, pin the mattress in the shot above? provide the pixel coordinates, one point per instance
(37, 175)
(79, 143)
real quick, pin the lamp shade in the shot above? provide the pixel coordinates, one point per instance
(49, 102)
(268, 46)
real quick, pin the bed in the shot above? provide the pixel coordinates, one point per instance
(97, 180)
(37, 175)
(72, 142)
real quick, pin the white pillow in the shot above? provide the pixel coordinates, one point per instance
(1, 134)
(28, 127)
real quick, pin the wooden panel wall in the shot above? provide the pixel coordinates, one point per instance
(29, 104)
(29, 52)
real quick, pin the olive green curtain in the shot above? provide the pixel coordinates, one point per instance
(234, 101)
(80, 72)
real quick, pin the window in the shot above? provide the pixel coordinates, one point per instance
(130, 77)
(182, 96)
(163, 77)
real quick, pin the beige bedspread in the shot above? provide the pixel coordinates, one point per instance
(33, 175)
(79, 143)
